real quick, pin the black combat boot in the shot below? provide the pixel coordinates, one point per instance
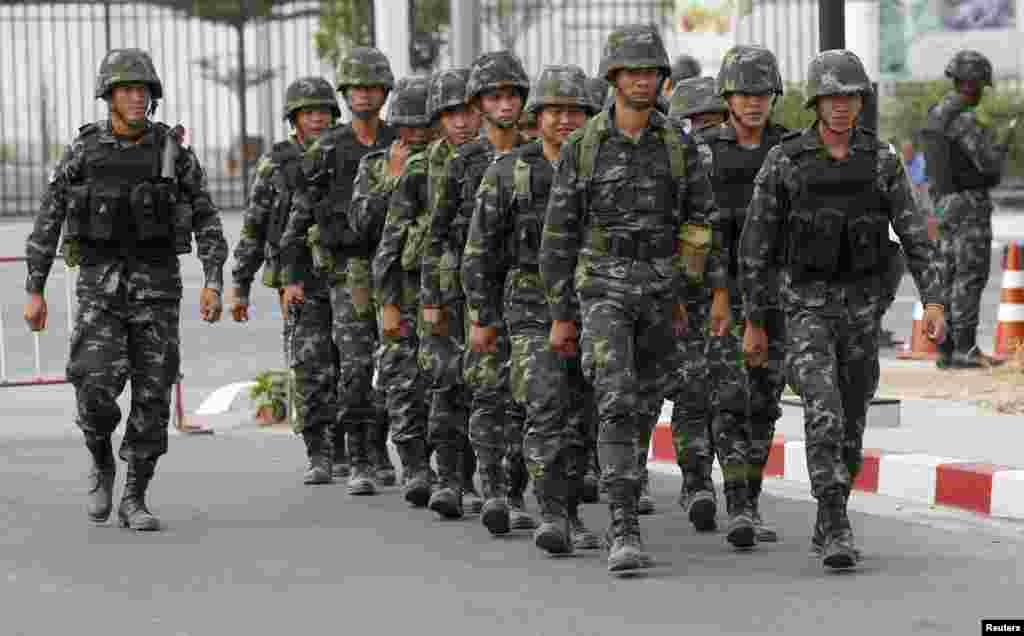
(101, 479)
(591, 478)
(447, 499)
(416, 478)
(740, 530)
(494, 515)
(553, 535)
(518, 480)
(384, 470)
(765, 533)
(133, 513)
(472, 503)
(319, 469)
(840, 552)
(361, 482)
(625, 547)
(340, 468)
(582, 537)
(967, 355)
(697, 498)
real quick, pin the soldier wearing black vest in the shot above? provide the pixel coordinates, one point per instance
(130, 198)
(815, 242)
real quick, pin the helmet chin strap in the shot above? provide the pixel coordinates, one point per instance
(497, 123)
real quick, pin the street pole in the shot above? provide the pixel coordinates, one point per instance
(465, 31)
(832, 35)
(242, 112)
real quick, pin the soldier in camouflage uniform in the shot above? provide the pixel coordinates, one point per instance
(497, 88)
(629, 189)
(334, 387)
(744, 402)
(310, 107)
(130, 198)
(814, 242)
(398, 375)
(501, 253)
(965, 159)
(693, 103)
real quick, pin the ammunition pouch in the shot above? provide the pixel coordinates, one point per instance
(640, 248)
(694, 247)
(814, 244)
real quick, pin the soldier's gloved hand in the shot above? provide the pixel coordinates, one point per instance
(935, 323)
(391, 321)
(680, 320)
(483, 339)
(563, 337)
(721, 315)
(240, 307)
(434, 316)
(36, 312)
(755, 345)
(210, 306)
(294, 294)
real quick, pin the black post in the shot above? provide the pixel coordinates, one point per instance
(106, 22)
(242, 111)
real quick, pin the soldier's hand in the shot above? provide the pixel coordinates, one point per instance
(294, 294)
(935, 323)
(210, 306)
(721, 315)
(563, 337)
(239, 309)
(483, 339)
(391, 321)
(435, 317)
(36, 312)
(755, 345)
(396, 158)
(680, 320)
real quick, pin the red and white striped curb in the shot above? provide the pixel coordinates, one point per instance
(987, 489)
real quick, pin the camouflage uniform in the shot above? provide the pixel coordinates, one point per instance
(334, 382)
(495, 421)
(125, 225)
(965, 159)
(617, 208)
(814, 239)
(501, 254)
(745, 402)
(278, 177)
(688, 387)
(398, 373)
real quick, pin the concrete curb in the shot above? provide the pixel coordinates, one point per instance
(986, 489)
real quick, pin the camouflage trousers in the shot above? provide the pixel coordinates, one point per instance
(361, 408)
(688, 391)
(745, 400)
(832, 359)
(115, 340)
(440, 358)
(625, 358)
(495, 419)
(965, 245)
(314, 363)
(400, 376)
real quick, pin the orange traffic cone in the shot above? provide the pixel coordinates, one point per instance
(920, 347)
(1010, 325)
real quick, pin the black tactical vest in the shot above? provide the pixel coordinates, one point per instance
(837, 229)
(733, 177)
(475, 156)
(532, 176)
(950, 169)
(343, 161)
(287, 156)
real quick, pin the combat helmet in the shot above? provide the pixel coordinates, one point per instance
(836, 72)
(496, 70)
(310, 92)
(365, 66)
(695, 96)
(127, 66)
(637, 46)
(752, 70)
(685, 67)
(970, 65)
(408, 105)
(447, 91)
(562, 85)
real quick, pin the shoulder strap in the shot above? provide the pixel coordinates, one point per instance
(521, 182)
(672, 138)
(594, 133)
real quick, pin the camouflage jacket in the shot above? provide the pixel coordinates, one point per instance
(764, 275)
(142, 279)
(623, 167)
(405, 229)
(499, 265)
(450, 212)
(263, 222)
(335, 149)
